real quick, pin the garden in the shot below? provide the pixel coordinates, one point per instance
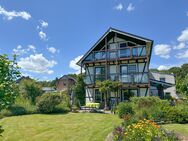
(150, 118)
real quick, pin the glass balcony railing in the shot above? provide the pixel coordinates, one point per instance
(126, 52)
(132, 78)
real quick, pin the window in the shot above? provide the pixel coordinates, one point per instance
(99, 73)
(162, 79)
(113, 46)
(123, 69)
(124, 53)
(131, 68)
(112, 55)
(134, 52)
(122, 45)
(89, 57)
(112, 74)
(131, 44)
(142, 51)
(98, 96)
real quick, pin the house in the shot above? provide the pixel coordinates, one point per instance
(165, 81)
(66, 82)
(119, 56)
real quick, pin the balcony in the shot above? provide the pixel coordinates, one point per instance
(127, 52)
(128, 78)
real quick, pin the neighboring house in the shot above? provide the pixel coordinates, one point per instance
(65, 83)
(118, 56)
(162, 84)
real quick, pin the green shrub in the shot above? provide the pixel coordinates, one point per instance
(124, 108)
(48, 102)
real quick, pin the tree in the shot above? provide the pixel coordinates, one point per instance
(182, 86)
(30, 89)
(104, 88)
(79, 90)
(8, 75)
(115, 86)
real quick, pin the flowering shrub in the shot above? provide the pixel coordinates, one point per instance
(142, 130)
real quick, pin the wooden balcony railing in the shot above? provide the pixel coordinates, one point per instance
(132, 78)
(127, 52)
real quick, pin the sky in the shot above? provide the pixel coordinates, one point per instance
(49, 37)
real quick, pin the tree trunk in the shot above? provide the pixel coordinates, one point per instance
(105, 102)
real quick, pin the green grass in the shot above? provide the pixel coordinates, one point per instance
(67, 127)
(178, 128)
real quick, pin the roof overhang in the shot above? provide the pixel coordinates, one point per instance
(156, 83)
(121, 33)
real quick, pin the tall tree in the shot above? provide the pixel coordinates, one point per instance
(9, 73)
(79, 89)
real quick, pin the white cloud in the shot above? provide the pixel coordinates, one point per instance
(52, 49)
(182, 55)
(119, 7)
(184, 36)
(31, 48)
(37, 63)
(9, 15)
(73, 64)
(44, 24)
(181, 45)
(162, 67)
(163, 50)
(42, 35)
(130, 7)
(19, 50)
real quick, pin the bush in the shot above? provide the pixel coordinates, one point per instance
(142, 130)
(124, 109)
(48, 102)
(21, 106)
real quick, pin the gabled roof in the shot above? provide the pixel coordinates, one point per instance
(119, 32)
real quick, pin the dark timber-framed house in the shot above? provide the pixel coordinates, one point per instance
(118, 56)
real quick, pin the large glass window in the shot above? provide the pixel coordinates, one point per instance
(142, 51)
(99, 73)
(131, 68)
(112, 55)
(100, 55)
(134, 52)
(124, 52)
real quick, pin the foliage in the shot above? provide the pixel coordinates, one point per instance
(182, 86)
(153, 108)
(47, 102)
(79, 90)
(8, 76)
(124, 109)
(30, 89)
(21, 106)
(146, 130)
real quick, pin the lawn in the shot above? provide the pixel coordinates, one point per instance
(178, 128)
(67, 127)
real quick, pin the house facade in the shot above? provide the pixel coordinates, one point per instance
(118, 56)
(165, 82)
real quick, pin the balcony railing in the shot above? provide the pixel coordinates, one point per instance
(127, 52)
(129, 78)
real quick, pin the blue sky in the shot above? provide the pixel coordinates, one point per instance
(50, 36)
